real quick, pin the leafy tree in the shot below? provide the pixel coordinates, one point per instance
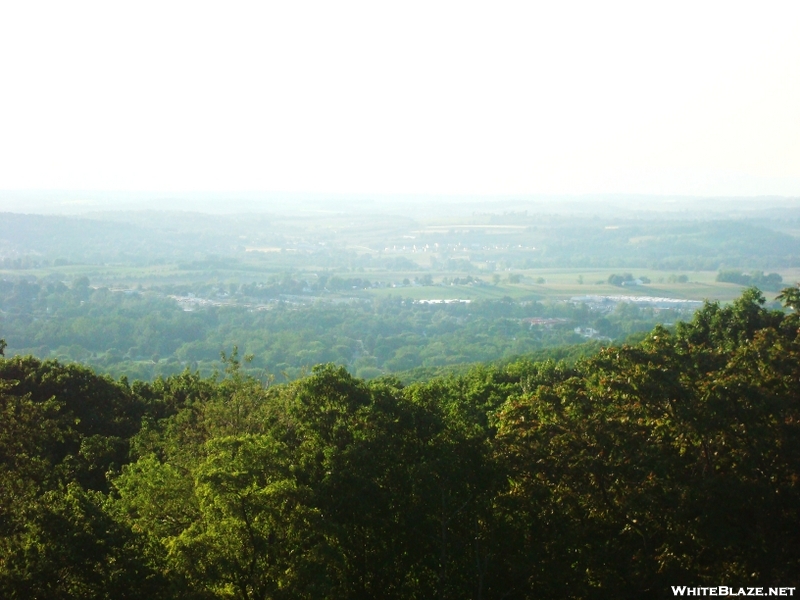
(669, 461)
(67, 546)
(56, 538)
(790, 297)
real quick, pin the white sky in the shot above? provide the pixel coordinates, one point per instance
(377, 97)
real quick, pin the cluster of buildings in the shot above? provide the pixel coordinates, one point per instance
(609, 302)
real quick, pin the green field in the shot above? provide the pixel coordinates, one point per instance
(534, 284)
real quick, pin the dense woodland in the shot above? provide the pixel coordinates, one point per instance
(146, 334)
(672, 461)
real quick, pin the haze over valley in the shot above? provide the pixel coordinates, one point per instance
(413, 300)
(148, 292)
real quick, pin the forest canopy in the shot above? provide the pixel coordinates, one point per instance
(673, 461)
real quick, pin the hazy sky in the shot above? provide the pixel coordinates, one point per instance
(403, 97)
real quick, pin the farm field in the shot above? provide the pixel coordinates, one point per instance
(145, 294)
(534, 284)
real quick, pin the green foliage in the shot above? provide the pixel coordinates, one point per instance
(771, 281)
(669, 461)
(60, 432)
(615, 279)
(67, 546)
(790, 297)
(142, 336)
(672, 460)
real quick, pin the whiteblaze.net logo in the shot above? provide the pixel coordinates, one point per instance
(722, 590)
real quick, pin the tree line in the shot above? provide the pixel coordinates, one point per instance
(144, 334)
(673, 461)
